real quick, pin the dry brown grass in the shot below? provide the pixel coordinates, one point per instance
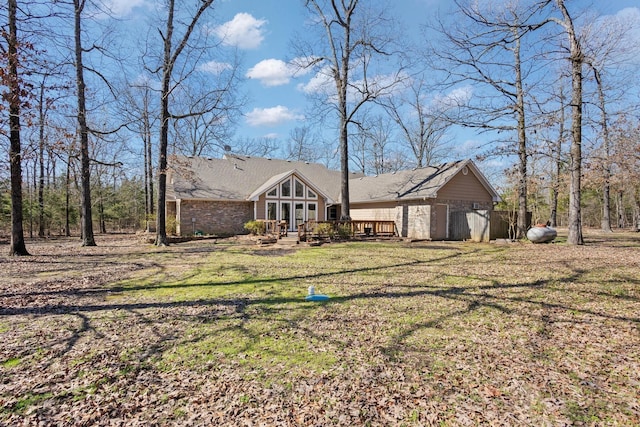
(218, 333)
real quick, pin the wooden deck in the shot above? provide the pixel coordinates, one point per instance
(275, 228)
(313, 230)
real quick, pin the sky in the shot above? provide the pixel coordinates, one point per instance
(263, 31)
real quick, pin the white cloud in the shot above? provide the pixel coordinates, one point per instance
(243, 31)
(214, 67)
(321, 82)
(458, 96)
(124, 7)
(271, 72)
(273, 116)
(275, 72)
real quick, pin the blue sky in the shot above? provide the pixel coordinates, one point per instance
(262, 31)
(278, 101)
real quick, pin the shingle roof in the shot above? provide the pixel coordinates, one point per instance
(411, 184)
(237, 177)
(240, 178)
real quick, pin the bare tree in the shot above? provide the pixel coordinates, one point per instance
(382, 159)
(302, 145)
(258, 147)
(557, 159)
(171, 54)
(625, 151)
(351, 44)
(484, 47)
(605, 223)
(212, 103)
(576, 59)
(13, 97)
(607, 43)
(142, 120)
(83, 129)
(422, 125)
(49, 98)
(372, 145)
(147, 126)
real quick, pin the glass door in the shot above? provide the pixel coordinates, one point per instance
(285, 213)
(299, 214)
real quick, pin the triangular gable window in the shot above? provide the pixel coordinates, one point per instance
(273, 192)
(299, 188)
(286, 188)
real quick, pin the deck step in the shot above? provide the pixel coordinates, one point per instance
(288, 240)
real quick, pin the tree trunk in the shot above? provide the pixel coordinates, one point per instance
(18, 246)
(606, 161)
(636, 209)
(169, 59)
(67, 200)
(85, 166)
(553, 220)
(161, 226)
(342, 87)
(557, 157)
(622, 222)
(345, 213)
(575, 152)
(522, 144)
(148, 158)
(41, 163)
(605, 224)
(101, 221)
(575, 157)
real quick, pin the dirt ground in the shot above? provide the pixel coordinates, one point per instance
(479, 351)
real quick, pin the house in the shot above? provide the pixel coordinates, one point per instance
(218, 196)
(452, 201)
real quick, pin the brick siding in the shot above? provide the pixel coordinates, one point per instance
(217, 218)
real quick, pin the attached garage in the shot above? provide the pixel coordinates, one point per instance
(451, 201)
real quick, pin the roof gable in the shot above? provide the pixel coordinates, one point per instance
(237, 178)
(418, 183)
(281, 177)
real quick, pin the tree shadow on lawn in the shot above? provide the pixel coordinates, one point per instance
(106, 290)
(474, 296)
(276, 313)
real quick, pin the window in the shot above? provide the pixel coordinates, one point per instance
(272, 211)
(286, 188)
(299, 188)
(311, 194)
(299, 213)
(333, 213)
(285, 211)
(311, 212)
(273, 192)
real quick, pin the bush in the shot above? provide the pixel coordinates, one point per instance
(171, 224)
(257, 228)
(344, 231)
(324, 229)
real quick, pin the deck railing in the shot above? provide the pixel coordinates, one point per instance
(345, 229)
(275, 227)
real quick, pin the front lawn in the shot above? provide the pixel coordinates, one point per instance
(423, 333)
